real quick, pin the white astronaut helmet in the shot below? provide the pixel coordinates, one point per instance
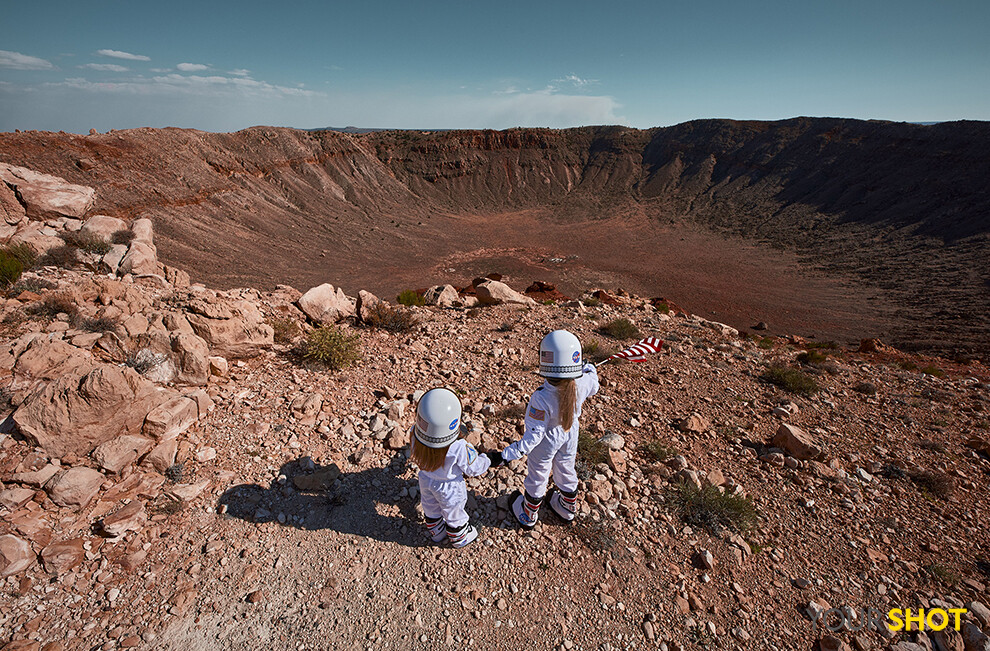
(560, 355)
(438, 418)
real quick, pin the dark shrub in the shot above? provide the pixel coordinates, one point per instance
(620, 329)
(393, 319)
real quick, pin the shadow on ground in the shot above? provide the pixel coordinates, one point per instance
(364, 503)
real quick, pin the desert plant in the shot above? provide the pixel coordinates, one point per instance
(123, 236)
(931, 369)
(53, 305)
(942, 573)
(620, 329)
(790, 379)
(907, 365)
(10, 269)
(505, 327)
(22, 252)
(144, 360)
(934, 484)
(711, 509)
(663, 307)
(63, 256)
(591, 450)
(410, 297)
(86, 241)
(826, 345)
(286, 329)
(812, 357)
(385, 317)
(32, 284)
(332, 347)
(97, 324)
(591, 301)
(656, 451)
(596, 535)
(592, 351)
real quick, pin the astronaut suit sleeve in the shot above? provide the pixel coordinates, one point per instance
(536, 428)
(589, 381)
(470, 462)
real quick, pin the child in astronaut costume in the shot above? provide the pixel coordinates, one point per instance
(444, 458)
(551, 435)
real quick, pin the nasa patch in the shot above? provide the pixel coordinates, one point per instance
(453, 425)
(576, 357)
(472, 453)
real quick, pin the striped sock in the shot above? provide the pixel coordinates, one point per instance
(532, 506)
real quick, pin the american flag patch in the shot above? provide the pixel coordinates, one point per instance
(537, 414)
(546, 357)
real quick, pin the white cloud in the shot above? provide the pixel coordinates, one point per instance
(241, 72)
(104, 67)
(176, 84)
(191, 67)
(117, 54)
(570, 80)
(18, 61)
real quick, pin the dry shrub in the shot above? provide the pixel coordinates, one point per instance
(123, 236)
(53, 305)
(332, 347)
(63, 256)
(791, 380)
(86, 241)
(711, 509)
(620, 329)
(286, 329)
(385, 317)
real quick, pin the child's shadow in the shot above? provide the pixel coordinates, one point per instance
(365, 503)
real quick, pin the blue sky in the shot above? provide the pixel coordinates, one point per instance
(223, 66)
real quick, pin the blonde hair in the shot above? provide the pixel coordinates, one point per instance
(427, 458)
(566, 401)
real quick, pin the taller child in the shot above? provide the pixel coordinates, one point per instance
(551, 435)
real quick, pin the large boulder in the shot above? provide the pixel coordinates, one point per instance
(80, 410)
(441, 296)
(38, 236)
(243, 334)
(50, 359)
(492, 292)
(45, 196)
(76, 487)
(141, 260)
(102, 227)
(15, 556)
(143, 230)
(366, 302)
(796, 441)
(192, 359)
(11, 210)
(324, 304)
(170, 419)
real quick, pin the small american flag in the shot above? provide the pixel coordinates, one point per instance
(638, 352)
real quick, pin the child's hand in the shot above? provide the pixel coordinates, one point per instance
(496, 458)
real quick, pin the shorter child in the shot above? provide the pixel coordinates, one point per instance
(443, 459)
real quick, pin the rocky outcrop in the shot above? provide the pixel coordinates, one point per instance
(324, 304)
(493, 292)
(102, 227)
(80, 410)
(44, 196)
(235, 330)
(441, 296)
(366, 302)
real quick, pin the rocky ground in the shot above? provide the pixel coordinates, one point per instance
(175, 476)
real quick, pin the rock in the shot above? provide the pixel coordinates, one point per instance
(874, 346)
(981, 612)
(130, 518)
(75, 413)
(613, 441)
(50, 359)
(974, 639)
(14, 498)
(306, 408)
(188, 492)
(243, 334)
(171, 418)
(163, 455)
(143, 230)
(832, 643)
(715, 478)
(37, 478)
(141, 259)
(324, 304)
(204, 403)
(75, 487)
(796, 442)
(116, 454)
(617, 461)
(694, 423)
(366, 302)
(155, 366)
(255, 597)
(601, 489)
(177, 277)
(191, 359)
(218, 366)
(15, 556)
(59, 558)
(44, 196)
(704, 560)
(396, 439)
(441, 296)
(948, 639)
(110, 262)
(11, 210)
(320, 480)
(492, 292)
(102, 227)
(981, 445)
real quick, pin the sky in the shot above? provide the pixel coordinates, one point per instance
(223, 66)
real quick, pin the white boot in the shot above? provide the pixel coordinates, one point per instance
(464, 536)
(437, 530)
(527, 511)
(564, 507)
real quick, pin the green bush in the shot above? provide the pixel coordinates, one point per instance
(791, 380)
(286, 329)
(385, 317)
(620, 329)
(410, 297)
(332, 347)
(712, 509)
(663, 308)
(22, 252)
(812, 357)
(591, 301)
(657, 451)
(10, 269)
(931, 369)
(594, 352)
(591, 450)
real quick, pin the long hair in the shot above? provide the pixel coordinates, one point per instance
(427, 458)
(567, 401)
